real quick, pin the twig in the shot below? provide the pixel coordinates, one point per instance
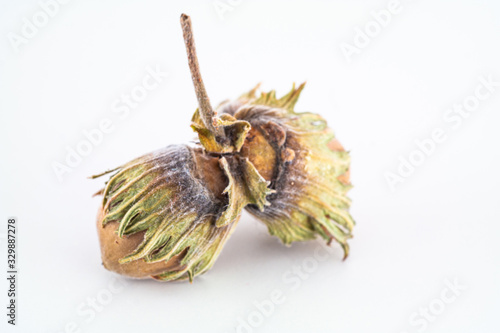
(206, 111)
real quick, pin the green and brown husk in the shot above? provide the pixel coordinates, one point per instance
(168, 214)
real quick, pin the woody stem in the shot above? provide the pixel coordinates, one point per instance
(206, 111)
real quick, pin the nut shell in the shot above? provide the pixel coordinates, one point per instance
(114, 248)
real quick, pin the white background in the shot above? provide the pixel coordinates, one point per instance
(440, 224)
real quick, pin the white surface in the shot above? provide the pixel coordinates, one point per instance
(441, 224)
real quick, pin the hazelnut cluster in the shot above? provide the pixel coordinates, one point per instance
(168, 214)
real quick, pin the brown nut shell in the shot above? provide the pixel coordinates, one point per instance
(113, 248)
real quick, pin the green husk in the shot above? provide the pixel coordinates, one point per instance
(159, 194)
(310, 197)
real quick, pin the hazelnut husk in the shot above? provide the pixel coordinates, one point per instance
(168, 214)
